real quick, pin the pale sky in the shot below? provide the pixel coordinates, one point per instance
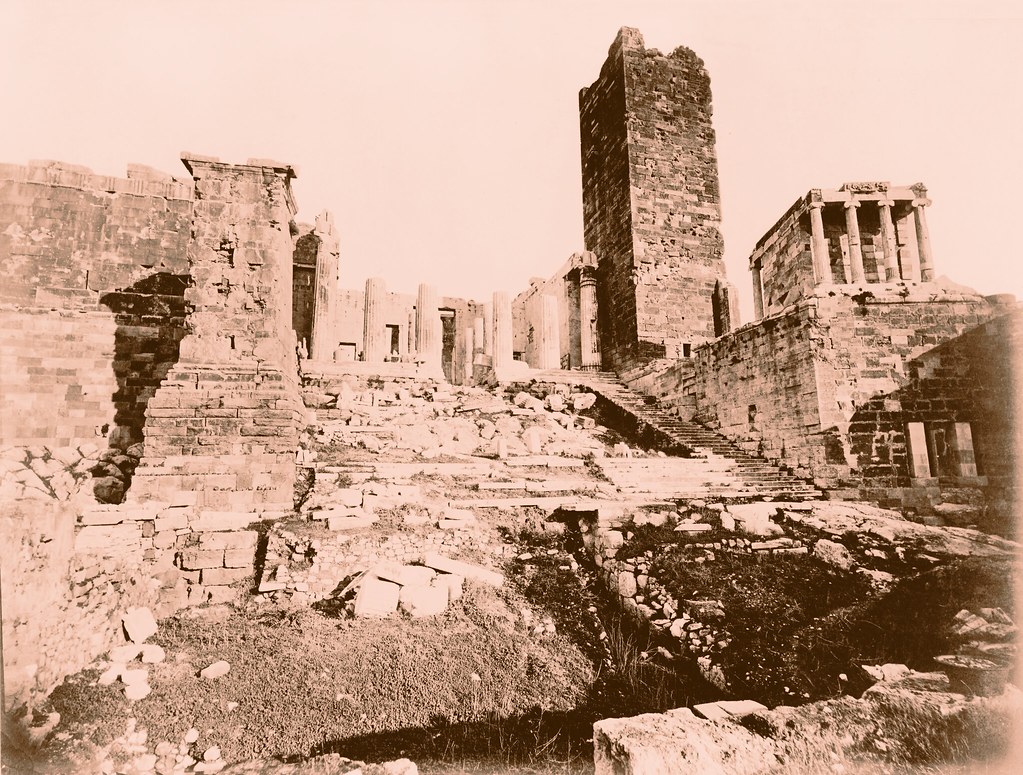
(444, 135)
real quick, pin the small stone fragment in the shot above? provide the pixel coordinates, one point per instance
(216, 670)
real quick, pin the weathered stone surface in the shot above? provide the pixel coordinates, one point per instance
(215, 670)
(376, 598)
(418, 600)
(465, 569)
(139, 624)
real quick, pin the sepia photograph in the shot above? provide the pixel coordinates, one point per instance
(444, 387)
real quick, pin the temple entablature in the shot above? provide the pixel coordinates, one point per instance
(859, 233)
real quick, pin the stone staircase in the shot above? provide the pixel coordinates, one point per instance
(705, 464)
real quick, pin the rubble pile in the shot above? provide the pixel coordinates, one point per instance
(79, 473)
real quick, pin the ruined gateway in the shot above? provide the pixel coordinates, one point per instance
(167, 338)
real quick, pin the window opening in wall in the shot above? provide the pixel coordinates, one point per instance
(686, 349)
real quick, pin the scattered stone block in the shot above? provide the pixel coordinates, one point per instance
(216, 670)
(451, 583)
(130, 677)
(124, 654)
(376, 598)
(465, 569)
(740, 707)
(405, 575)
(423, 600)
(152, 654)
(137, 691)
(712, 711)
(139, 624)
(350, 521)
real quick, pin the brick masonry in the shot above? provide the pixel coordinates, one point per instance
(651, 200)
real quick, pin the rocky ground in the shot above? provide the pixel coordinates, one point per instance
(473, 577)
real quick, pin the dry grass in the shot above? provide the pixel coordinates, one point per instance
(305, 683)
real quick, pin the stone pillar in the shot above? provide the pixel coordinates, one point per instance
(328, 267)
(923, 240)
(589, 343)
(470, 338)
(550, 340)
(502, 330)
(819, 244)
(852, 228)
(477, 336)
(488, 329)
(962, 448)
(375, 346)
(891, 255)
(758, 291)
(908, 258)
(428, 340)
(916, 449)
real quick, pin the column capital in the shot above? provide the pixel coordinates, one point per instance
(815, 205)
(921, 202)
(851, 203)
(815, 197)
(886, 203)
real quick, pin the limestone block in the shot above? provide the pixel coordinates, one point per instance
(139, 624)
(405, 575)
(124, 654)
(137, 691)
(241, 539)
(222, 520)
(172, 519)
(348, 497)
(352, 521)
(451, 583)
(151, 654)
(833, 553)
(533, 440)
(423, 600)
(224, 576)
(583, 401)
(215, 670)
(199, 559)
(240, 558)
(712, 711)
(740, 707)
(376, 598)
(554, 402)
(627, 586)
(465, 569)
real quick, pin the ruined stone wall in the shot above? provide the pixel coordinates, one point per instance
(91, 308)
(786, 260)
(927, 358)
(651, 201)
(827, 386)
(222, 431)
(398, 309)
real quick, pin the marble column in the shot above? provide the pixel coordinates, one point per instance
(923, 240)
(852, 230)
(891, 252)
(467, 358)
(502, 330)
(488, 329)
(375, 344)
(427, 344)
(819, 244)
(908, 258)
(325, 293)
(758, 291)
(550, 339)
(477, 336)
(589, 344)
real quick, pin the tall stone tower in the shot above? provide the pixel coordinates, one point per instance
(651, 204)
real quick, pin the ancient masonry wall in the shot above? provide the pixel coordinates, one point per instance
(787, 272)
(222, 431)
(91, 307)
(651, 200)
(828, 386)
